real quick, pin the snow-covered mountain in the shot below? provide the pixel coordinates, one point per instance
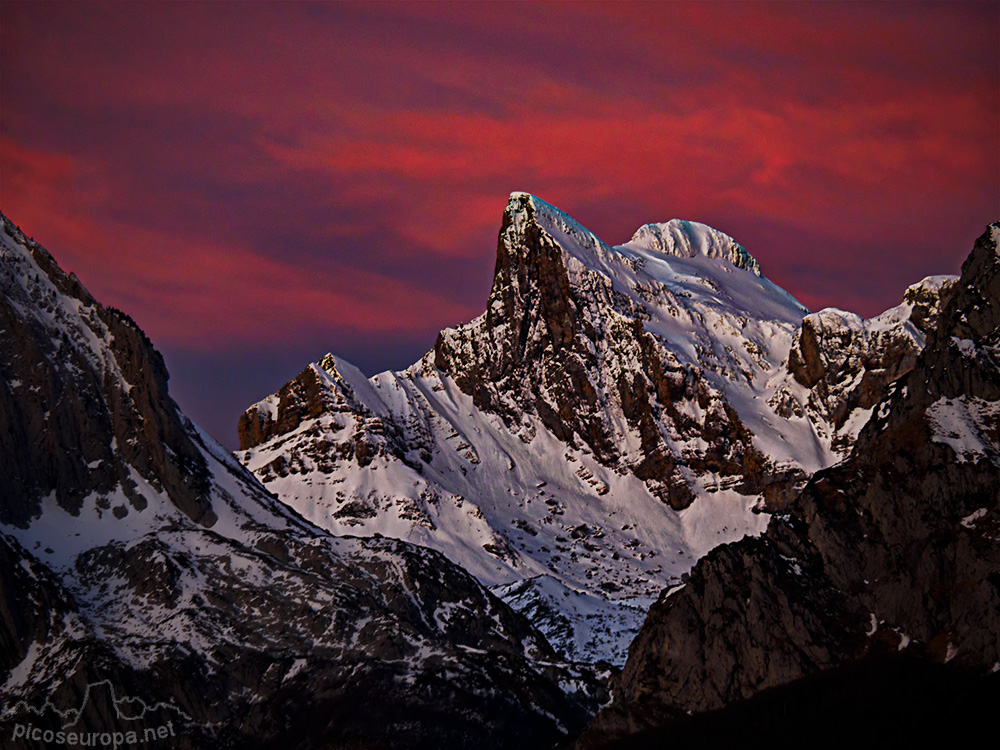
(615, 413)
(135, 550)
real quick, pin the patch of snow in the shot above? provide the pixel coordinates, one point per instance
(966, 346)
(673, 590)
(964, 424)
(874, 625)
(952, 652)
(970, 520)
(690, 239)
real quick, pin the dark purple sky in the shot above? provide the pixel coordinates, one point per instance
(258, 184)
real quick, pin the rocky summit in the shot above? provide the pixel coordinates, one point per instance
(614, 414)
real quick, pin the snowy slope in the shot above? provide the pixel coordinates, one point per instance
(613, 415)
(501, 508)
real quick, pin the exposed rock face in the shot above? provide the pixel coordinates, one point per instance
(354, 433)
(847, 362)
(560, 342)
(138, 559)
(105, 402)
(34, 607)
(895, 550)
(302, 398)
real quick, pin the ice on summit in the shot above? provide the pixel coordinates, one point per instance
(690, 239)
(574, 238)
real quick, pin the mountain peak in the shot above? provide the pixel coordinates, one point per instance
(690, 239)
(102, 387)
(678, 237)
(525, 210)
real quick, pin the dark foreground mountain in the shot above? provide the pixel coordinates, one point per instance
(873, 602)
(148, 583)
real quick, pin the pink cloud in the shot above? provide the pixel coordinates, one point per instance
(410, 123)
(191, 292)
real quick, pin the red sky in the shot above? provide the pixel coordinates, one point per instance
(258, 184)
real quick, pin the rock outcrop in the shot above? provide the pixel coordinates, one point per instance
(847, 362)
(84, 398)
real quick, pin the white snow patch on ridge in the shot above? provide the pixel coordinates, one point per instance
(690, 239)
(963, 423)
(970, 520)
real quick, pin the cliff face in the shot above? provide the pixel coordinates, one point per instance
(83, 401)
(894, 551)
